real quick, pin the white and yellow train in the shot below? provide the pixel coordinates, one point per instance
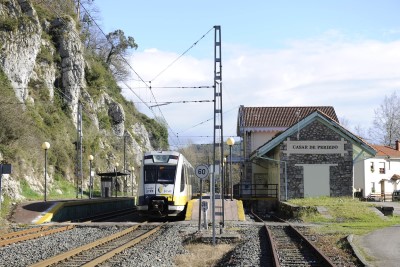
(167, 183)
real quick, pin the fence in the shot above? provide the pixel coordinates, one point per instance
(247, 190)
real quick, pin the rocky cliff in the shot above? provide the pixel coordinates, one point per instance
(49, 71)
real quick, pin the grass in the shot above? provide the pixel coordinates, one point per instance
(202, 255)
(349, 216)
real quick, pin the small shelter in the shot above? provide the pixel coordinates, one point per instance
(110, 183)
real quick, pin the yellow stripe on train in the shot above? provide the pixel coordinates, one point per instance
(178, 200)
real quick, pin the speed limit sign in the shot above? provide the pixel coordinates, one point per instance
(202, 171)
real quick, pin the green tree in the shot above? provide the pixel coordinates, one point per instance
(114, 52)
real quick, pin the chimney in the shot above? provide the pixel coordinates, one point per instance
(397, 145)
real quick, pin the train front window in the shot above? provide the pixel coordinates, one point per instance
(159, 174)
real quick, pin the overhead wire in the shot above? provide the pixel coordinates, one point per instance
(159, 74)
(177, 87)
(187, 50)
(207, 120)
(183, 102)
(129, 65)
(134, 71)
(126, 62)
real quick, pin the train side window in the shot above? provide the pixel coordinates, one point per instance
(183, 179)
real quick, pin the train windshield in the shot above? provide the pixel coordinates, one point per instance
(159, 174)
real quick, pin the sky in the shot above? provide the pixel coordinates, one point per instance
(340, 53)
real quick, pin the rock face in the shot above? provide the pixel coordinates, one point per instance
(20, 43)
(72, 62)
(144, 140)
(48, 55)
(117, 115)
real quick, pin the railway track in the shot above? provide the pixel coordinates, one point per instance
(31, 233)
(100, 250)
(289, 247)
(106, 216)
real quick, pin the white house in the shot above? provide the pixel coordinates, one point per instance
(378, 175)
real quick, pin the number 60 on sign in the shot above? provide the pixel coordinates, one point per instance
(202, 171)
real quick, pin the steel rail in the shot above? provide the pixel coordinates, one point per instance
(35, 235)
(284, 241)
(23, 232)
(321, 256)
(64, 256)
(114, 215)
(325, 260)
(104, 216)
(115, 251)
(273, 248)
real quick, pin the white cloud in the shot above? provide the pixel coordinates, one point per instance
(351, 76)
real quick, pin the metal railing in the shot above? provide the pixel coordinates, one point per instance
(247, 190)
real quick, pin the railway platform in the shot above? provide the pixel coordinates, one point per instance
(233, 210)
(38, 212)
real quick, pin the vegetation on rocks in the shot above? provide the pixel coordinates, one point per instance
(43, 117)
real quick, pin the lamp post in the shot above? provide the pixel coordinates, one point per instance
(223, 192)
(116, 177)
(90, 157)
(45, 147)
(132, 171)
(230, 142)
(225, 176)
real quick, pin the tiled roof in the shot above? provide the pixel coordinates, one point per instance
(386, 151)
(279, 116)
(332, 124)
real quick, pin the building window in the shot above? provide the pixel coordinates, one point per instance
(373, 187)
(372, 167)
(382, 167)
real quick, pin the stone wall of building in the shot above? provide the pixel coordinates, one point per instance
(340, 175)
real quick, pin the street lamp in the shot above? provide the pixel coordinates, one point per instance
(116, 177)
(230, 142)
(132, 170)
(224, 176)
(90, 158)
(223, 192)
(45, 147)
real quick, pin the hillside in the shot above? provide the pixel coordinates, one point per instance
(46, 71)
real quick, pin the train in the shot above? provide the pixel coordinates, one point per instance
(166, 184)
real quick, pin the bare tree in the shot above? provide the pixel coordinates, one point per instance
(386, 124)
(344, 122)
(360, 131)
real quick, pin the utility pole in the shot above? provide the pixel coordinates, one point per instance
(78, 167)
(218, 132)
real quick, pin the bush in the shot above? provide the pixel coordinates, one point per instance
(45, 55)
(8, 24)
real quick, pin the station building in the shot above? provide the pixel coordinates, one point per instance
(295, 152)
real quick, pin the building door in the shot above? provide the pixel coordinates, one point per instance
(316, 179)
